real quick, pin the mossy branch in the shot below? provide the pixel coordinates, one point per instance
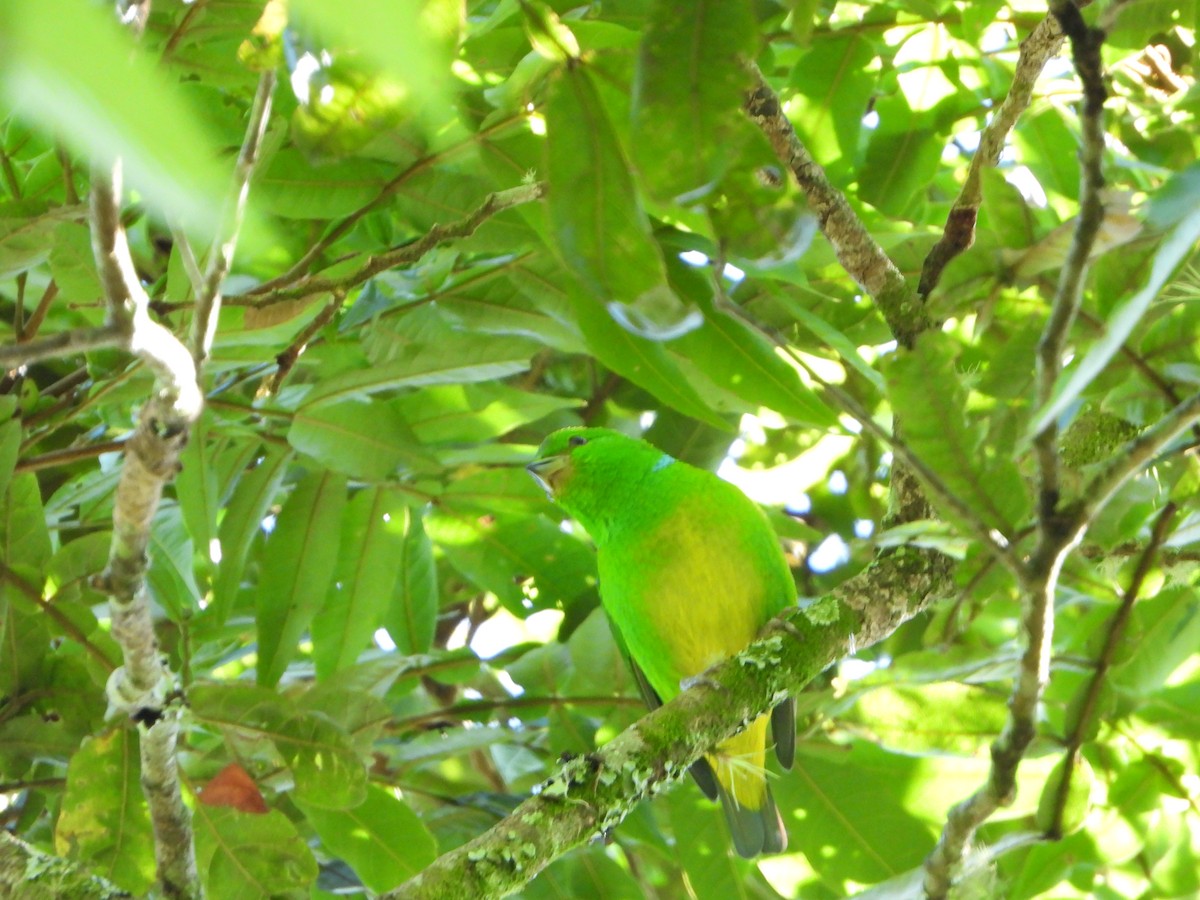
(592, 793)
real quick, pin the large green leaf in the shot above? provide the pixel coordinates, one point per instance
(244, 856)
(366, 438)
(740, 359)
(411, 614)
(298, 566)
(381, 839)
(373, 538)
(105, 821)
(599, 227)
(688, 125)
(242, 521)
(926, 394)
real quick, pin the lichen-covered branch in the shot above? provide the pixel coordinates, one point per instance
(858, 252)
(29, 874)
(1042, 44)
(408, 253)
(142, 687)
(220, 256)
(592, 793)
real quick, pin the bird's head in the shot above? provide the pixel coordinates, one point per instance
(590, 471)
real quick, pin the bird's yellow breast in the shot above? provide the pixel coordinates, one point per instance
(686, 595)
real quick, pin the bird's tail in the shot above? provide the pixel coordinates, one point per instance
(739, 765)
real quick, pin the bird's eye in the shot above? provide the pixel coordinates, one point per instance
(576, 440)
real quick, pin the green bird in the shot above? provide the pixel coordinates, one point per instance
(690, 571)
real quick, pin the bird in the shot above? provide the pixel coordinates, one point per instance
(690, 570)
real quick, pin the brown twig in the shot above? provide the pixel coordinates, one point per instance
(301, 266)
(406, 253)
(1037, 49)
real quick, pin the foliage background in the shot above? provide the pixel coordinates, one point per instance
(373, 610)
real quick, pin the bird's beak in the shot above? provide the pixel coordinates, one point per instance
(549, 472)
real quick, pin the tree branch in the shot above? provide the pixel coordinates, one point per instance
(65, 343)
(591, 794)
(411, 252)
(141, 686)
(858, 252)
(297, 271)
(30, 874)
(1058, 533)
(220, 256)
(1037, 49)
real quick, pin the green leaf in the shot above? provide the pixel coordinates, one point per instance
(1164, 632)
(54, 51)
(381, 839)
(437, 355)
(411, 615)
(1121, 322)
(1050, 148)
(24, 539)
(830, 337)
(362, 438)
(73, 265)
(10, 447)
(326, 769)
(171, 576)
(926, 393)
(243, 517)
(599, 227)
(471, 413)
(196, 488)
(373, 537)
(294, 188)
(833, 83)
(104, 820)
(527, 562)
(299, 562)
(24, 238)
(902, 157)
(740, 359)
(410, 40)
(243, 856)
(688, 124)
(642, 361)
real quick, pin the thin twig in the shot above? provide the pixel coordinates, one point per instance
(1104, 660)
(39, 313)
(68, 455)
(342, 228)
(287, 359)
(65, 343)
(1037, 49)
(220, 256)
(1085, 44)
(410, 252)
